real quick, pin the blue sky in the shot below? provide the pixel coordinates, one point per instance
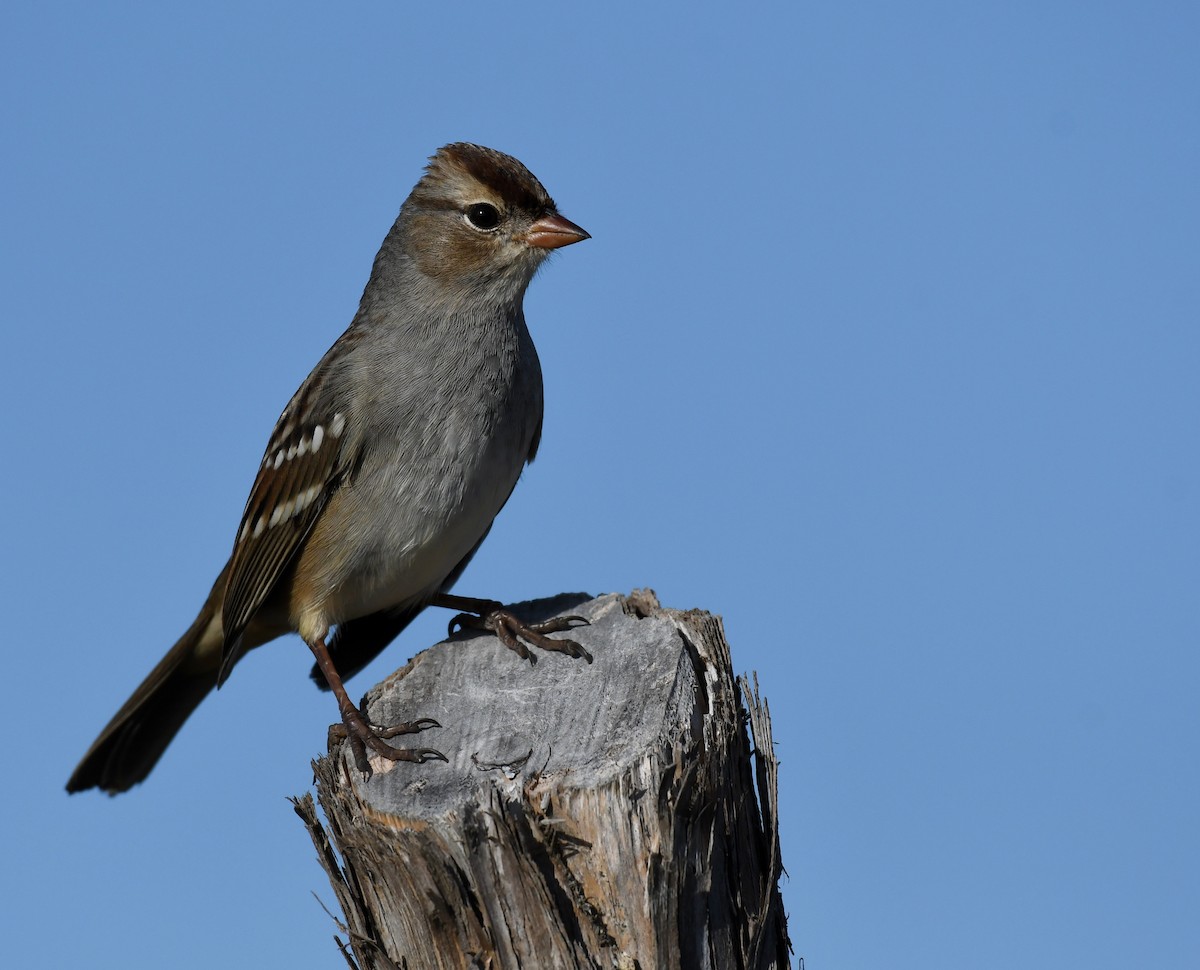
(885, 349)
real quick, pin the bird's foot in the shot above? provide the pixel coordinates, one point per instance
(513, 632)
(355, 728)
(362, 735)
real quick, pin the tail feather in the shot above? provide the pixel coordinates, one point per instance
(133, 741)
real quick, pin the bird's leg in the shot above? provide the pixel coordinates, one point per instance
(480, 614)
(359, 732)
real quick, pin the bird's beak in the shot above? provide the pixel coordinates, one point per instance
(551, 232)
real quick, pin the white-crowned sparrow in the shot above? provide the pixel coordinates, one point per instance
(387, 467)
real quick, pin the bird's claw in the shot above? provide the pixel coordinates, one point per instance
(556, 624)
(409, 727)
(514, 633)
(421, 755)
(460, 622)
(363, 735)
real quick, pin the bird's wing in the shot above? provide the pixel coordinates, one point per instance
(310, 453)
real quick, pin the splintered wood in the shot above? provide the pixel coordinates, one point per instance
(616, 815)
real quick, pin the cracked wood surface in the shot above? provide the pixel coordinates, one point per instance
(617, 814)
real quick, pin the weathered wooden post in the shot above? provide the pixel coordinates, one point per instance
(611, 815)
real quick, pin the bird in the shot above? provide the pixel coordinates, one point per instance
(385, 471)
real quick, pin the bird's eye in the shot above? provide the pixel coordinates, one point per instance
(483, 216)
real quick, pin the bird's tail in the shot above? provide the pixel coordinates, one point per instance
(129, 747)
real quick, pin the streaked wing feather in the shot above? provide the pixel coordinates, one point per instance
(284, 504)
(293, 485)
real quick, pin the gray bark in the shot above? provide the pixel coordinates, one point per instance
(604, 815)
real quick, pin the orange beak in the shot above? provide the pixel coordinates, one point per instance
(551, 232)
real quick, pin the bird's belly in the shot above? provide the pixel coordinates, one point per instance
(435, 517)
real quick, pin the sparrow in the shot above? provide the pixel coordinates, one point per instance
(386, 469)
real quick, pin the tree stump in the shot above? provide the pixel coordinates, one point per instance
(603, 815)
